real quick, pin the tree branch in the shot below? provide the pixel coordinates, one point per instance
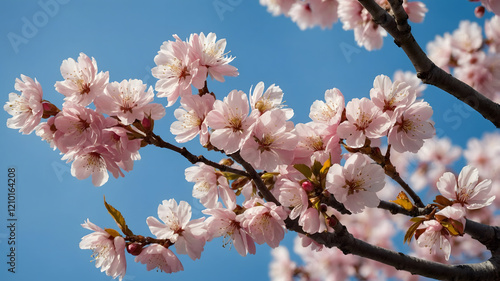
(156, 140)
(426, 70)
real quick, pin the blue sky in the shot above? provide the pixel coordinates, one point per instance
(124, 37)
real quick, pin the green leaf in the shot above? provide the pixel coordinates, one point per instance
(304, 169)
(230, 176)
(316, 168)
(119, 219)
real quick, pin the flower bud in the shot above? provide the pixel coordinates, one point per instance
(134, 249)
(479, 11)
(307, 186)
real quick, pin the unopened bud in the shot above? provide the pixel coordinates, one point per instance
(479, 11)
(49, 109)
(146, 123)
(332, 221)
(134, 249)
(307, 186)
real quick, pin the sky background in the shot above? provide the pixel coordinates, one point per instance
(124, 37)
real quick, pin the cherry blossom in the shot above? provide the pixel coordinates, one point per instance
(44, 130)
(264, 221)
(211, 56)
(316, 142)
(292, 195)
(467, 38)
(355, 185)
(188, 235)
(433, 238)
(82, 83)
(492, 30)
(94, 161)
(492, 5)
(467, 190)
(109, 251)
(416, 10)
(191, 118)
(281, 267)
(310, 13)
(440, 51)
(230, 121)
(176, 71)
(355, 17)
(364, 120)
(26, 109)
(330, 110)
(278, 7)
(223, 222)
(129, 101)
(272, 98)
(412, 127)
(271, 142)
(411, 80)
(160, 257)
(484, 154)
(388, 96)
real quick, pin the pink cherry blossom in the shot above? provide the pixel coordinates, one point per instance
(412, 127)
(188, 235)
(160, 257)
(292, 195)
(271, 99)
(355, 185)
(125, 150)
(467, 190)
(411, 80)
(416, 10)
(484, 154)
(45, 131)
(26, 109)
(482, 72)
(388, 96)
(230, 121)
(440, 51)
(330, 110)
(129, 101)
(109, 251)
(277, 7)
(281, 267)
(271, 142)
(439, 151)
(492, 30)
(79, 126)
(82, 83)
(364, 120)
(223, 222)
(433, 238)
(176, 71)
(211, 55)
(264, 221)
(492, 5)
(467, 38)
(94, 161)
(317, 142)
(355, 17)
(191, 118)
(310, 13)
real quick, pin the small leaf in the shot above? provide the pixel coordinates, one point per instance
(119, 219)
(326, 167)
(412, 229)
(304, 169)
(112, 232)
(230, 176)
(403, 201)
(442, 201)
(316, 168)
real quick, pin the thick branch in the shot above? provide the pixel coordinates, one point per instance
(159, 142)
(343, 240)
(426, 70)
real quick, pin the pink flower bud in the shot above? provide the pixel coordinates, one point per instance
(146, 123)
(332, 221)
(134, 249)
(479, 11)
(307, 186)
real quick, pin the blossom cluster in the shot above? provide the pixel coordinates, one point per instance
(94, 140)
(472, 58)
(324, 13)
(336, 157)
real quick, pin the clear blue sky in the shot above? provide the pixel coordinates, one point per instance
(124, 37)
